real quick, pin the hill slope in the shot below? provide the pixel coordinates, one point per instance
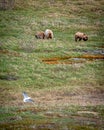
(58, 72)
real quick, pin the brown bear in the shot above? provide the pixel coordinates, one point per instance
(79, 36)
(40, 35)
(48, 34)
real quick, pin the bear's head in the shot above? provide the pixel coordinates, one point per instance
(85, 37)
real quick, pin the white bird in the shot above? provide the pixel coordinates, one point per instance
(26, 98)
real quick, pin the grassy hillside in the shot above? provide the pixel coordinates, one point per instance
(58, 73)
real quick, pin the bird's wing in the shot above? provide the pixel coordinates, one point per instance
(29, 100)
(25, 95)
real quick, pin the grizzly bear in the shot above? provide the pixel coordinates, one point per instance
(48, 34)
(79, 36)
(40, 35)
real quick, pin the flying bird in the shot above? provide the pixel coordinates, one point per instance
(26, 98)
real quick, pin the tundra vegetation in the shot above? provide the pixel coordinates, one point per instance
(65, 78)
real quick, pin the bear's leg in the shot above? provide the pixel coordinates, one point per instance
(80, 39)
(76, 38)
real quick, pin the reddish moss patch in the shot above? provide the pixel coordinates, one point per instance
(9, 53)
(62, 60)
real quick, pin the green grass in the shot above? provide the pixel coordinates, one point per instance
(21, 54)
(50, 118)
